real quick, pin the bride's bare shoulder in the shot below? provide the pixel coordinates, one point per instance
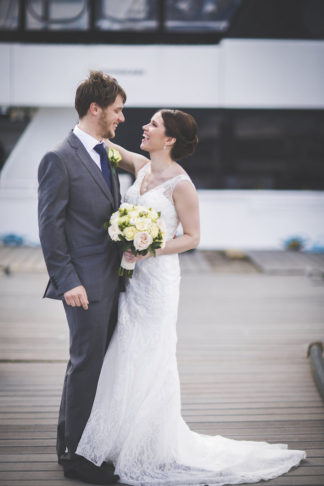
(179, 170)
(140, 164)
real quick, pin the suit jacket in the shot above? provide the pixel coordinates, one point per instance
(74, 203)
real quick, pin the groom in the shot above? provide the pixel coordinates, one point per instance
(78, 192)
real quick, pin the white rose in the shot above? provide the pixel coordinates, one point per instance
(114, 232)
(114, 216)
(126, 206)
(133, 214)
(141, 209)
(142, 224)
(153, 214)
(142, 240)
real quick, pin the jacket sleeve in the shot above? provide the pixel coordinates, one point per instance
(53, 199)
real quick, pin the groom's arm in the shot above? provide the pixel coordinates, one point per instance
(53, 198)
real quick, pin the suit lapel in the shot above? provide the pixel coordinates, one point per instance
(92, 167)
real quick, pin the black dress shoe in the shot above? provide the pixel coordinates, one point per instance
(67, 458)
(86, 471)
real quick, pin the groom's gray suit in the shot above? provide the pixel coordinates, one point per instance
(74, 203)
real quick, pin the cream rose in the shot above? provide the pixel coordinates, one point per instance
(154, 230)
(123, 221)
(142, 240)
(142, 224)
(129, 233)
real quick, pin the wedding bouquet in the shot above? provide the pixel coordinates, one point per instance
(138, 229)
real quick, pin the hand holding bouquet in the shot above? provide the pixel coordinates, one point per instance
(139, 230)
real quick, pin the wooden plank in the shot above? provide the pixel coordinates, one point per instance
(39, 441)
(45, 481)
(39, 458)
(243, 368)
(297, 481)
(314, 465)
(286, 261)
(50, 474)
(27, 466)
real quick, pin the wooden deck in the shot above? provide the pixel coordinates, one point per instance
(242, 347)
(289, 262)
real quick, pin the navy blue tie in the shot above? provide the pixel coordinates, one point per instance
(104, 162)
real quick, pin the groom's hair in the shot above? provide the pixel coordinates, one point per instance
(98, 88)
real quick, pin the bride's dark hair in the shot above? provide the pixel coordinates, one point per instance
(183, 128)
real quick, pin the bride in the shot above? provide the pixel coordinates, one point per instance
(136, 422)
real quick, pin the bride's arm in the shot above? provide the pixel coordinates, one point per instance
(131, 161)
(186, 202)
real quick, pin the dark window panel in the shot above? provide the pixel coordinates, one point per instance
(158, 21)
(238, 149)
(121, 15)
(195, 16)
(8, 14)
(57, 15)
(248, 149)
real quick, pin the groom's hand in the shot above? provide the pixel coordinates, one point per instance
(77, 297)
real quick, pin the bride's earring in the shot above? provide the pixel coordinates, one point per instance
(164, 148)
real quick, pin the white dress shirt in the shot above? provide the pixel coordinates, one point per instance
(89, 142)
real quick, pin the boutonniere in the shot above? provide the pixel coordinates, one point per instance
(114, 158)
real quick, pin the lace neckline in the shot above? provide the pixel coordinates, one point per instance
(148, 165)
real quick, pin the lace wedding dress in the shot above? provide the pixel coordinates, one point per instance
(136, 417)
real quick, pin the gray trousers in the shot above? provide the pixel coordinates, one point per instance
(90, 333)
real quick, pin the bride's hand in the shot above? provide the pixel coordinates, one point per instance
(129, 257)
(142, 257)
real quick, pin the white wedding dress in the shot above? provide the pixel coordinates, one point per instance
(136, 417)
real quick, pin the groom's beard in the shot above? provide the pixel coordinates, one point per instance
(108, 134)
(106, 130)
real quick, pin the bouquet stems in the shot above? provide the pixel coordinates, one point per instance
(126, 268)
(122, 272)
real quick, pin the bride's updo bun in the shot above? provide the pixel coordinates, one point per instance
(183, 128)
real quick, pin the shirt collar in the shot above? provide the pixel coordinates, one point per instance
(88, 140)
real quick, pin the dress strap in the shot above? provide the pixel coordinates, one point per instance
(170, 186)
(179, 178)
